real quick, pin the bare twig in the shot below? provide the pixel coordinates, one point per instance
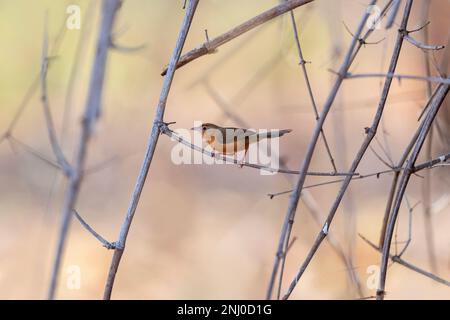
(432, 163)
(108, 245)
(371, 132)
(212, 45)
(392, 14)
(294, 199)
(34, 86)
(398, 76)
(400, 163)
(109, 10)
(150, 150)
(34, 152)
(228, 111)
(399, 260)
(302, 63)
(74, 72)
(410, 215)
(421, 45)
(397, 169)
(426, 184)
(165, 130)
(61, 159)
(434, 108)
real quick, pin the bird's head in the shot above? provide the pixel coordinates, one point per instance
(205, 127)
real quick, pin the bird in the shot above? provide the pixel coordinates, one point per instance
(230, 140)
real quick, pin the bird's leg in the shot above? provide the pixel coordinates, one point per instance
(247, 143)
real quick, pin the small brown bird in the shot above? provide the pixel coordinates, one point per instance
(229, 140)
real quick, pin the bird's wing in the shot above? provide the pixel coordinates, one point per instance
(247, 132)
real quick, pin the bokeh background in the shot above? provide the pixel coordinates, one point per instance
(209, 231)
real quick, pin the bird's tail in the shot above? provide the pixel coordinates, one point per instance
(284, 131)
(273, 134)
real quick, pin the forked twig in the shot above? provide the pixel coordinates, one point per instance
(435, 105)
(399, 260)
(60, 157)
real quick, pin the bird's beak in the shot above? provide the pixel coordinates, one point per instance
(195, 128)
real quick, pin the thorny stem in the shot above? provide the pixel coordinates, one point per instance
(295, 196)
(150, 150)
(370, 134)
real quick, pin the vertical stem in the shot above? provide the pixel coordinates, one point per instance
(371, 132)
(109, 10)
(150, 150)
(295, 195)
(426, 184)
(441, 93)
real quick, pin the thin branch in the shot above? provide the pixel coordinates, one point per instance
(399, 260)
(393, 14)
(34, 86)
(370, 133)
(398, 76)
(400, 163)
(426, 184)
(108, 245)
(408, 241)
(34, 152)
(150, 150)
(60, 157)
(294, 199)
(421, 45)
(212, 45)
(75, 71)
(425, 165)
(441, 93)
(420, 28)
(165, 130)
(126, 49)
(227, 109)
(91, 114)
(306, 196)
(302, 63)
(431, 163)
(361, 176)
(380, 158)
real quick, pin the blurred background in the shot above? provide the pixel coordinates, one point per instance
(211, 231)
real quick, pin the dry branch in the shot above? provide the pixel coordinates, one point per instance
(295, 196)
(397, 76)
(91, 113)
(103, 241)
(370, 134)
(212, 45)
(165, 130)
(150, 150)
(399, 260)
(441, 93)
(60, 157)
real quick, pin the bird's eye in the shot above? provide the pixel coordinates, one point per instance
(204, 128)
